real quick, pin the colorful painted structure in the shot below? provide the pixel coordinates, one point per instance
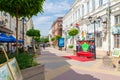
(85, 48)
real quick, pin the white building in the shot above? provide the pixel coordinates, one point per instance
(79, 13)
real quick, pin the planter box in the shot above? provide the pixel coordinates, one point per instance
(34, 73)
(69, 50)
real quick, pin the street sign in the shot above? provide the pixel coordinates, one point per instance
(61, 42)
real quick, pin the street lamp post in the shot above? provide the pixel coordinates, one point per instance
(23, 22)
(93, 22)
(23, 19)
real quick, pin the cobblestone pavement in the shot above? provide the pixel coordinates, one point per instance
(60, 68)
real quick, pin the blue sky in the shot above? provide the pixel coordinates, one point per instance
(52, 10)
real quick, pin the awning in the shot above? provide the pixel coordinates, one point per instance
(4, 38)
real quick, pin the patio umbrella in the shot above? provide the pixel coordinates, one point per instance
(4, 37)
(12, 39)
(20, 41)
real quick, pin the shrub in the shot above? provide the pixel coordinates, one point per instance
(24, 60)
(70, 46)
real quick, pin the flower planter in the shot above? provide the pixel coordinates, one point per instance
(34, 73)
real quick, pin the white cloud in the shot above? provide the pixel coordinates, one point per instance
(59, 15)
(52, 10)
(41, 20)
(57, 7)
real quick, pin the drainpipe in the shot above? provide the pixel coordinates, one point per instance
(109, 29)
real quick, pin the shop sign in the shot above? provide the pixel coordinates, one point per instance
(15, 69)
(116, 52)
(61, 42)
(5, 73)
(116, 30)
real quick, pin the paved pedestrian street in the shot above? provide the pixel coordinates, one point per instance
(60, 68)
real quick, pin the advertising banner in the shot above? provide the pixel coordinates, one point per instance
(5, 72)
(116, 52)
(61, 42)
(15, 69)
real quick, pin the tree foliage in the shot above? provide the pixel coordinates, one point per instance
(37, 39)
(44, 39)
(73, 32)
(21, 8)
(53, 38)
(57, 37)
(24, 8)
(33, 33)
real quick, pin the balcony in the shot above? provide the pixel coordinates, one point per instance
(2, 26)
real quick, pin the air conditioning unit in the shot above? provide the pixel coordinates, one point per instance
(2, 22)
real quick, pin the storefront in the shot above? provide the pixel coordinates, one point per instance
(116, 32)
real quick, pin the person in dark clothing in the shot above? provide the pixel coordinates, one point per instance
(43, 46)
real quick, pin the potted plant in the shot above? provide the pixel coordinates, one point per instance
(70, 48)
(73, 32)
(30, 69)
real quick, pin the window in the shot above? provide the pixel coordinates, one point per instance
(82, 10)
(78, 13)
(88, 6)
(117, 41)
(117, 19)
(93, 4)
(117, 36)
(100, 2)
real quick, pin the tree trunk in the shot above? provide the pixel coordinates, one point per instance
(17, 31)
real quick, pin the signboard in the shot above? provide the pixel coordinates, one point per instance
(5, 73)
(116, 30)
(15, 69)
(10, 70)
(61, 42)
(116, 52)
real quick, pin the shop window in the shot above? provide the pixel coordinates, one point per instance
(93, 4)
(100, 2)
(117, 41)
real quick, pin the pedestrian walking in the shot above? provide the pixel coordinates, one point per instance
(43, 46)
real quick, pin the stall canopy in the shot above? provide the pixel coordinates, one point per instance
(11, 39)
(20, 41)
(4, 38)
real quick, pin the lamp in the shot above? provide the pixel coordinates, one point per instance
(93, 21)
(24, 20)
(90, 19)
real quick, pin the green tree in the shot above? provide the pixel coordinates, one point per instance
(37, 39)
(73, 32)
(53, 38)
(33, 33)
(57, 37)
(21, 8)
(44, 39)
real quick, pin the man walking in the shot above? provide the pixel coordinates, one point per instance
(44, 46)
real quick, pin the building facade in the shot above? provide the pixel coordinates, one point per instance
(8, 26)
(106, 28)
(56, 29)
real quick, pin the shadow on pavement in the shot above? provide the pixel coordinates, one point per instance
(58, 69)
(72, 75)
